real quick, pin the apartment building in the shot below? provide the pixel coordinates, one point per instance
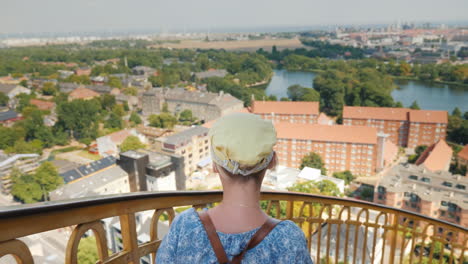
(292, 112)
(358, 149)
(405, 127)
(26, 163)
(435, 194)
(192, 144)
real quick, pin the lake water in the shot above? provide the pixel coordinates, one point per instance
(429, 96)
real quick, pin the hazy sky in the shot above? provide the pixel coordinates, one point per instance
(89, 15)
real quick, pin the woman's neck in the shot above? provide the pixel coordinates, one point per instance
(240, 209)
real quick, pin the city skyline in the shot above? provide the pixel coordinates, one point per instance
(125, 15)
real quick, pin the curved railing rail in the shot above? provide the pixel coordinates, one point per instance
(338, 230)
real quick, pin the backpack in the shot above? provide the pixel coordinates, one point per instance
(264, 230)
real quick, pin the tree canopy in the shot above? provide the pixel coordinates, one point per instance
(30, 188)
(313, 160)
(131, 143)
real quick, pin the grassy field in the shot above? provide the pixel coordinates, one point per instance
(234, 45)
(87, 155)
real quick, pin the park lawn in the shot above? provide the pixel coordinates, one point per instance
(87, 155)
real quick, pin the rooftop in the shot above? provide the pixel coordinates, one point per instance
(88, 169)
(290, 108)
(7, 88)
(85, 186)
(7, 115)
(436, 157)
(337, 133)
(463, 153)
(383, 113)
(42, 105)
(395, 114)
(185, 136)
(83, 93)
(429, 186)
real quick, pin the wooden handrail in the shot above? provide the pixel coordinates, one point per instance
(390, 225)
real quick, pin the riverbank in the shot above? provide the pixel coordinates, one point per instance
(430, 96)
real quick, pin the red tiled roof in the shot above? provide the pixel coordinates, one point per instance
(119, 136)
(428, 116)
(436, 157)
(278, 107)
(336, 133)
(42, 105)
(463, 154)
(383, 113)
(83, 93)
(393, 113)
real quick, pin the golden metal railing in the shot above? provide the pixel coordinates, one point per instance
(338, 230)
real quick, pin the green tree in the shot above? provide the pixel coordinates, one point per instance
(310, 95)
(313, 160)
(114, 82)
(415, 106)
(49, 88)
(154, 120)
(324, 187)
(418, 151)
(24, 83)
(165, 108)
(8, 136)
(135, 118)
(87, 250)
(295, 92)
(3, 99)
(79, 118)
(328, 187)
(186, 115)
(347, 176)
(24, 188)
(131, 143)
(22, 147)
(399, 105)
(47, 177)
(114, 121)
(167, 120)
(107, 101)
(456, 112)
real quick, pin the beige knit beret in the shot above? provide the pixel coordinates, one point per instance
(242, 143)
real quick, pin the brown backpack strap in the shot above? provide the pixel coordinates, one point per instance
(258, 237)
(213, 237)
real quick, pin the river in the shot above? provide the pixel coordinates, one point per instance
(429, 95)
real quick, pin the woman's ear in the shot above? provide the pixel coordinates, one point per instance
(273, 162)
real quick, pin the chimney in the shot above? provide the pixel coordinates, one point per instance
(381, 137)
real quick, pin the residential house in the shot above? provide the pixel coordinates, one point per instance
(82, 93)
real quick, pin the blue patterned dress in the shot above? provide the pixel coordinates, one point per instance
(187, 242)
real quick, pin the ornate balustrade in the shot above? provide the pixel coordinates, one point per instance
(337, 230)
